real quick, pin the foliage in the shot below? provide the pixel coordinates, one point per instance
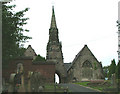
(112, 68)
(106, 71)
(118, 70)
(39, 58)
(12, 33)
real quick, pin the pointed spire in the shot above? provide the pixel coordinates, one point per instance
(53, 21)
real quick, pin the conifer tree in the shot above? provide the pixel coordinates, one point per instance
(112, 68)
(118, 70)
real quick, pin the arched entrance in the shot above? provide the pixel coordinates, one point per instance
(57, 78)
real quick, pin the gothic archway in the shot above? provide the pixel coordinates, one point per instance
(87, 70)
(57, 77)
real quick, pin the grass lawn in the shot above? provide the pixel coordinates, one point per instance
(51, 88)
(82, 83)
(98, 87)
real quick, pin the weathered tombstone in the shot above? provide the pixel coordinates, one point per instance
(40, 88)
(113, 80)
(29, 86)
(11, 87)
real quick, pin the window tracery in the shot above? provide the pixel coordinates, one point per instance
(87, 64)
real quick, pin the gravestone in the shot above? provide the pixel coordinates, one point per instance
(113, 81)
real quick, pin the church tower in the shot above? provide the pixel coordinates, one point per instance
(54, 49)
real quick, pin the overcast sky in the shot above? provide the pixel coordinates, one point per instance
(80, 22)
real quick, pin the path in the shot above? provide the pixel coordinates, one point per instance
(78, 88)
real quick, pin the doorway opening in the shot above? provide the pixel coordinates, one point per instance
(57, 78)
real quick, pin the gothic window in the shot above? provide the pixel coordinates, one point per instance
(87, 71)
(87, 64)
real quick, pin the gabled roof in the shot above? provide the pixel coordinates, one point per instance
(83, 52)
(67, 66)
(30, 51)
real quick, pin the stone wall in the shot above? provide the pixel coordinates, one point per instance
(47, 70)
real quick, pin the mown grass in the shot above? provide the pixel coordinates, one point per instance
(106, 85)
(94, 87)
(52, 88)
(82, 83)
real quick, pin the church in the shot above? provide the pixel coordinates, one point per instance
(84, 67)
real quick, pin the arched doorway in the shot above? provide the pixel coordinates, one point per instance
(57, 78)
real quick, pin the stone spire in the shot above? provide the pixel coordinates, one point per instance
(53, 31)
(54, 49)
(53, 21)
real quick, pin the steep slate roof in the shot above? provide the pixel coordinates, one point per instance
(80, 53)
(30, 51)
(67, 65)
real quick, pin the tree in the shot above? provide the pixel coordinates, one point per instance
(106, 71)
(39, 58)
(12, 33)
(112, 68)
(118, 70)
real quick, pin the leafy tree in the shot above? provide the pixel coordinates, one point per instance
(39, 58)
(12, 33)
(112, 68)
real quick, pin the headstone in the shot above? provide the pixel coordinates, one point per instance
(40, 88)
(113, 80)
(29, 86)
